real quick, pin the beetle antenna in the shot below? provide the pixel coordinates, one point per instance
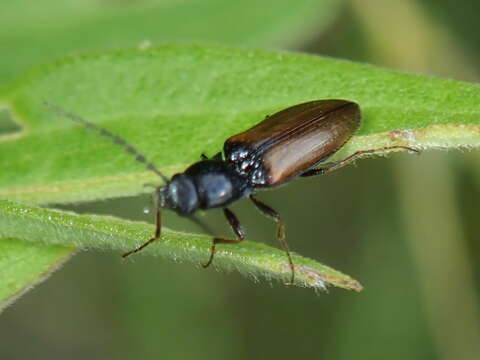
(104, 132)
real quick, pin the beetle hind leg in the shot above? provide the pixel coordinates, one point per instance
(349, 159)
(237, 229)
(268, 211)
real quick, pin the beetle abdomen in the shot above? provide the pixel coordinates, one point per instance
(292, 141)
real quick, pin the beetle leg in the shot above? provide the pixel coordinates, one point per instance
(237, 229)
(268, 211)
(158, 227)
(217, 156)
(351, 158)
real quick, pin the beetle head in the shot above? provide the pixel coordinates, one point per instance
(179, 195)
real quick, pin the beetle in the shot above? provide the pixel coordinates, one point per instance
(286, 145)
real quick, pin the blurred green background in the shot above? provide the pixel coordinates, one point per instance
(405, 226)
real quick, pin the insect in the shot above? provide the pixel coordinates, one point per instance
(286, 145)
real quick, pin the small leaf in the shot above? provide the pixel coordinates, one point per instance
(100, 232)
(24, 264)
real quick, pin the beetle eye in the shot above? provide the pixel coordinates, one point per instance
(162, 196)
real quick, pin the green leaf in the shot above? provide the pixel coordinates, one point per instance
(174, 102)
(100, 232)
(23, 264)
(38, 30)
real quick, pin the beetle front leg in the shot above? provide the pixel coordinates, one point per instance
(158, 226)
(351, 158)
(237, 229)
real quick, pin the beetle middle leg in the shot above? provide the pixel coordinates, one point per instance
(268, 211)
(237, 229)
(217, 156)
(351, 158)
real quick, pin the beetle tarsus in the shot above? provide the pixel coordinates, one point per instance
(212, 254)
(139, 248)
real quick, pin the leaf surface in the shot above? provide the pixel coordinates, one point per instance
(24, 264)
(174, 102)
(45, 226)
